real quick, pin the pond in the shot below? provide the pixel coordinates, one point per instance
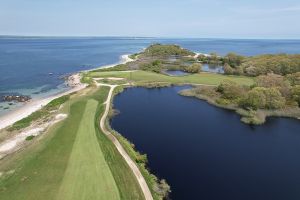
(212, 68)
(205, 152)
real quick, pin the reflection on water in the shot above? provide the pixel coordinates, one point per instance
(212, 68)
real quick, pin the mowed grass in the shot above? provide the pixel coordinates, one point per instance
(40, 173)
(77, 162)
(150, 77)
(87, 175)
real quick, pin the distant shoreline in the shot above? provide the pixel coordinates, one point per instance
(33, 105)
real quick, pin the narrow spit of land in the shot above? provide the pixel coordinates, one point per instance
(132, 165)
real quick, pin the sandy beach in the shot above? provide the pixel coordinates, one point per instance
(73, 82)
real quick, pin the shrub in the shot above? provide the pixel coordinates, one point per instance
(296, 94)
(29, 137)
(228, 69)
(194, 68)
(263, 98)
(230, 90)
(254, 99)
(233, 60)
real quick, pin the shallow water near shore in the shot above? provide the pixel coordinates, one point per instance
(35, 65)
(205, 152)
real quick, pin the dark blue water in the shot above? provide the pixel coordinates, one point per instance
(25, 62)
(205, 152)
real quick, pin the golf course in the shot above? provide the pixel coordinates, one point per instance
(74, 160)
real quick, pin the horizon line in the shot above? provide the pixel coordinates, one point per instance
(148, 37)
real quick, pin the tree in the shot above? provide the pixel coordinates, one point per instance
(254, 99)
(294, 78)
(203, 58)
(194, 68)
(233, 60)
(274, 80)
(270, 80)
(296, 94)
(230, 90)
(274, 99)
(228, 69)
(263, 98)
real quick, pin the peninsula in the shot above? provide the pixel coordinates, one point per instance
(71, 138)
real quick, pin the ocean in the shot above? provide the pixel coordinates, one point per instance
(36, 66)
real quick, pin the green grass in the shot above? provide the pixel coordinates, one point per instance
(87, 175)
(52, 105)
(75, 161)
(149, 77)
(39, 174)
(124, 177)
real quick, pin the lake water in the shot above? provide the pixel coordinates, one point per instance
(25, 62)
(212, 68)
(205, 152)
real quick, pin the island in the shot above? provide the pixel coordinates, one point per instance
(72, 140)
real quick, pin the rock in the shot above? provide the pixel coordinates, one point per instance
(18, 98)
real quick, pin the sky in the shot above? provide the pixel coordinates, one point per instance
(266, 19)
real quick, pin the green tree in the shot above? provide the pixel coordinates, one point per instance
(296, 94)
(274, 99)
(194, 68)
(274, 80)
(233, 60)
(230, 90)
(228, 69)
(294, 78)
(254, 99)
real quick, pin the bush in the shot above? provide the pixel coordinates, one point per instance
(228, 69)
(294, 79)
(279, 64)
(263, 98)
(150, 67)
(194, 68)
(29, 137)
(233, 60)
(296, 94)
(254, 99)
(230, 90)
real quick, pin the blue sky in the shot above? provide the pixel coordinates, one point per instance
(158, 18)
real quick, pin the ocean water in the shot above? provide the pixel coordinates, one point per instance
(25, 62)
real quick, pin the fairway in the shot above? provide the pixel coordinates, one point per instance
(149, 77)
(75, 160)
(88, 176)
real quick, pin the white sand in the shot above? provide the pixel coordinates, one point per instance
(16, 142)
(34, 105)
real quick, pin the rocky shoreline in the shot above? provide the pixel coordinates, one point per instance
(16, 98)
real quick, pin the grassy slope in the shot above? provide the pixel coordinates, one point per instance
(128, 186)
(40, 175)
(40, 170)
(201, 78)
(88, 175)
